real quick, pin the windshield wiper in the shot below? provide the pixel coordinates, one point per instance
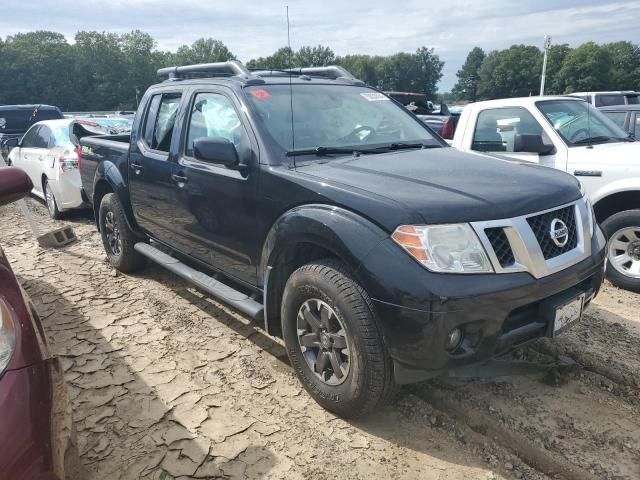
(323, 151)
(404, 146)
(596, 139)
(337, 150)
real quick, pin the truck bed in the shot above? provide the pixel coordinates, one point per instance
(96, 149)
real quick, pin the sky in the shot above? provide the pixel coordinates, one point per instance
(252, 28)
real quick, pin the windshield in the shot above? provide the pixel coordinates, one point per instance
(334, 117)
(579, 123)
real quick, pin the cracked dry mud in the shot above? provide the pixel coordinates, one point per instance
(167, 383)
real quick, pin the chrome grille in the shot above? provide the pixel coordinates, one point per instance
(501, 246)
(541, 226)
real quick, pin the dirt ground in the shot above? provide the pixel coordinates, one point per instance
(167, 383)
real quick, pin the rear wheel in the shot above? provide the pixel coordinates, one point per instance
(333, 340)
(50, 198)
(623, 249)
(117, 237)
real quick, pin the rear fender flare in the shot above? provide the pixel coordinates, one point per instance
(109, 173)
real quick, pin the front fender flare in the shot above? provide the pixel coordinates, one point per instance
(346, 234)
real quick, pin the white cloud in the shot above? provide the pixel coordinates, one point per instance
(254, 27)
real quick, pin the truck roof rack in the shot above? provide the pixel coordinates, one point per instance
(333, 72)
(231, 68)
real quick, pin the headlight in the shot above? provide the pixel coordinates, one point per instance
(444, 248)
(7, 337)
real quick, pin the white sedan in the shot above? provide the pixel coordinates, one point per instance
(48, 155)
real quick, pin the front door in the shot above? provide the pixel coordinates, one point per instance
(150, 168)
(501, 131)
(215, 205)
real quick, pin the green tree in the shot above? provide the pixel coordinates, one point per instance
(36, 68)
(554, 83)
(514, 72)
(364, 67)
(466, 88)
(203, 50)
(587, 67)
(625, 65)
(318, 56)
(281, 58)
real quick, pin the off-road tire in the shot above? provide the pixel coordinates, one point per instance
(124, 258)
(613, 224)
(369, 384)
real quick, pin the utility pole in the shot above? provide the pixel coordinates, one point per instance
(547, 44)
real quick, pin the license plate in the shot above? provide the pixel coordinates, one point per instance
(568, 314)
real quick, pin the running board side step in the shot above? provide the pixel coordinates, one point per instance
(217, 289)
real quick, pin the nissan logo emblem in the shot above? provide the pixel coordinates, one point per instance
(559, 232)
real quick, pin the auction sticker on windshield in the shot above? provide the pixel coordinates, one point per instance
(374, 96)
(567, 314)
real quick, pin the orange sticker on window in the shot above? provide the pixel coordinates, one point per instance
(260, 94)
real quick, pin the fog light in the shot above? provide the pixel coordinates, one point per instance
(453, 339)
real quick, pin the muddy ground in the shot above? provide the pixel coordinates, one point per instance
(167, 383)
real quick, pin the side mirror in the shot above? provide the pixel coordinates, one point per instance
(216, 150)
(14, 184)
(532, 143)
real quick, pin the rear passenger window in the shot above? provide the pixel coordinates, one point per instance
(636, 128)
(497, 129)
(160, 122)
(213, 115)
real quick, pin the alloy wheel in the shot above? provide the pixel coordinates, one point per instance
(624, 251)
(323, 341)
(112, 233)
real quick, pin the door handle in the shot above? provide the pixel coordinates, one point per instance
(179, 178)
(588, 173)
(136, 166)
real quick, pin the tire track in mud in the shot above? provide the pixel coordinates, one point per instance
(578, 422)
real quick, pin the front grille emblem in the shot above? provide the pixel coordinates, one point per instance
(559, 232)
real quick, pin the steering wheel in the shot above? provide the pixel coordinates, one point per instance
(362, 128)
(577, 132)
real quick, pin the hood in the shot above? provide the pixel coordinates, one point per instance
(619, 154)
(445, 185)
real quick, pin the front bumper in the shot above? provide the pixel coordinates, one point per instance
(36, 427)
(497, 312)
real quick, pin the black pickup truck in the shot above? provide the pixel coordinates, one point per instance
(313, 203)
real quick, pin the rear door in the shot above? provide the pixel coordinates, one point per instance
(214, 205)
(151, 188)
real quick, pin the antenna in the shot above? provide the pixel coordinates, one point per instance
(293, 136)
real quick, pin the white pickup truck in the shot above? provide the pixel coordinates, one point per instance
(569, 134)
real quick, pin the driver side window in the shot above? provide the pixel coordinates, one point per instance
(213, 115)
(506, 130)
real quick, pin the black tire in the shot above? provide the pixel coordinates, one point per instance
(368, 383)
(117, 237)
(50, 200)
(613, 226)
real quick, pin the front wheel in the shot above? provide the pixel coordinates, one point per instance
(623, 249)
(333, 341)
(117, 237)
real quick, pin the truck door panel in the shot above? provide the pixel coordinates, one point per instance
(215, 205)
